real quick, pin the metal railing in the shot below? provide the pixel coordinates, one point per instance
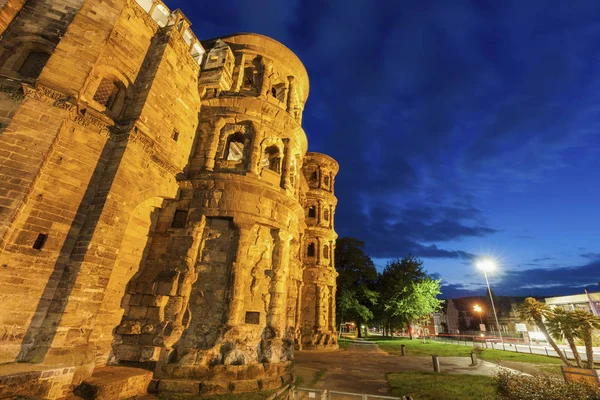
(324, 394)
(517, 348)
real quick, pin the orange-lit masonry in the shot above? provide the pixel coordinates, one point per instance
(158, 208)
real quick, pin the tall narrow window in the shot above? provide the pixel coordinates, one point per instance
(326, 215)
(34, 64)
(107, 93)
(312, 212)
(311, 250)
(274, 92)
(235, 147)
(272, 159)
(40, 241)
(180, 219)
(314, 176)
(326, 252)
(326, 181)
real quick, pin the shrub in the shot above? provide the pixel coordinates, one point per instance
(511, 386)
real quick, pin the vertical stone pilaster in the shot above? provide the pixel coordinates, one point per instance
(213, 145)
(287, 165)
(239, 274)
(278, 296)
(291, 93)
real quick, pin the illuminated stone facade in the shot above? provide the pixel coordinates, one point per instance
(155, 194)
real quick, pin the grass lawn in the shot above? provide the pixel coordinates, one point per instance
(431, 386)
(418, 348)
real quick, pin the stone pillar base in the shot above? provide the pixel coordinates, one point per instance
(221, 379)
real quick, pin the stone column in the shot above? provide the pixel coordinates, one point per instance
(332, 325)
(318, 305)
(256, 153)
(213, 145)
(278, 285)
(267, 66)
(291, 93)
(287, 165)
(239, 273)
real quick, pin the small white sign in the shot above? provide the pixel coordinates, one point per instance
(521, 327)
(482, 327)
(312, 395)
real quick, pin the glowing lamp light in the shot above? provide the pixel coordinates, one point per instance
(486, 264)
(477, 308)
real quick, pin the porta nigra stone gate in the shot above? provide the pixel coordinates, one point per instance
(159, 211)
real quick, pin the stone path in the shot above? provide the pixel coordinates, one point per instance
(362, 368)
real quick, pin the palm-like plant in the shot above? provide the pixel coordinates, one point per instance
(584, 325)
(561, 323)
(533, 311)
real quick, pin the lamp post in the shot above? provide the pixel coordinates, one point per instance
(486, 264)
(477, 309)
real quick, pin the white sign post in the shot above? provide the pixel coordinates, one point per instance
(482, 327)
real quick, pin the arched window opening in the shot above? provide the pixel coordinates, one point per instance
(311, 250)
(326, 252)
(249, 78)
(326, 181)
(272, 159)
(312, 212)
(34, 64)
(314, 177)
(235, 147)
(326, 215)
(109, 94)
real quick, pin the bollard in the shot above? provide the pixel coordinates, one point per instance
(473, 358)
(436, 363)
(403, 350)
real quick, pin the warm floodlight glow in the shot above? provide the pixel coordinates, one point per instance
(477, 308)
(486, 264)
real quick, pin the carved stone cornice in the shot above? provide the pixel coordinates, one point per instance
(14, 93)
(89, 118)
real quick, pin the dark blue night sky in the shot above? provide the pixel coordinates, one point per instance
(462, 128)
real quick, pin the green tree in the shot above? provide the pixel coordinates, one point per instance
(562, 323)
(356, 296)
(584, 324)
(407, 292)
(532, 310)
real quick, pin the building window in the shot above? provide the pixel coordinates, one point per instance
(34, 64)
(249, 77)
(274, 92)
(311, 250)
(40, 241)
(252, 317)
(326, 252)
(107, 94)
(235, 147)
(272, 159)
(326, 215)
(326, 181)
(314, 177)
(312, 212)
(175, 135)
(180, 219)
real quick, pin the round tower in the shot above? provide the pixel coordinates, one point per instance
(318, 328)
(224, 267)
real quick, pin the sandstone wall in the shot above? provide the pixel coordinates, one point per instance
(153, 201)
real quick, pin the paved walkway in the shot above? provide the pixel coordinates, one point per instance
(362, 368)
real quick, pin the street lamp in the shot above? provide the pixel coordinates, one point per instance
(478, 309)
(487, 264)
